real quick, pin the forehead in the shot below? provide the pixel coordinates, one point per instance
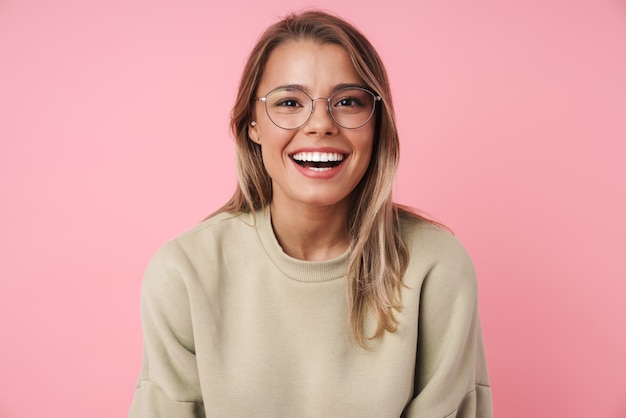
(315, 66)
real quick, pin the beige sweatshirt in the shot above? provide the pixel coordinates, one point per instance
(234, 327)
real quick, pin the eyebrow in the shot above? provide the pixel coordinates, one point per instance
(304, 89)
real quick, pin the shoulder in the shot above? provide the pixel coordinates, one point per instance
(216, 226)
(430, 240)
(184, 263)
(437, 255)
(208, 234)
(202, 243)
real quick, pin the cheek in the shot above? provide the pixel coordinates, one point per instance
(367, 152)
(273, 149)
(367, 147)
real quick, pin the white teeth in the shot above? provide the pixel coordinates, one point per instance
(317, 157)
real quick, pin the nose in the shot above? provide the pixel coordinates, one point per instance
(321, 121)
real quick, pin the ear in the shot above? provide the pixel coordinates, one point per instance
(253, 132)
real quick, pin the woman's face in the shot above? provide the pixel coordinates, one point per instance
(292, 157)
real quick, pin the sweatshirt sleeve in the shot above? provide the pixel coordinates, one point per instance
(168, 385)
(451, 378)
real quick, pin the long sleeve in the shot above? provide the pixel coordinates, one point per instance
(168, 384)
(451, 377)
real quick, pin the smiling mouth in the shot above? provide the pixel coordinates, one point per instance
(318, 161)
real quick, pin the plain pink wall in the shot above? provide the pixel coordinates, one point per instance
(114, 138)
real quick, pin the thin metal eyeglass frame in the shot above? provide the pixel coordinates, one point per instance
(375, 96)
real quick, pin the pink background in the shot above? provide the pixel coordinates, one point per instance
(114, 138)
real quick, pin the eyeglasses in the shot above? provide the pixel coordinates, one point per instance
(291, 108)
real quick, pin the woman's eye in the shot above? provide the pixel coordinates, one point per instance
(348, 102)
(288, 103)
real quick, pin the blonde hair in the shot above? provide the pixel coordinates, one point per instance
(379, 256)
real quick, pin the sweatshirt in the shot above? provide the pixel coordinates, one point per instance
(235, 327)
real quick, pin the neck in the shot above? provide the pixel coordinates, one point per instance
(311, 233)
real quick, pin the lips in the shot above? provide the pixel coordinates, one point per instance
(318, 161)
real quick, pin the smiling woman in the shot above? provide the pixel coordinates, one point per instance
(311, 293)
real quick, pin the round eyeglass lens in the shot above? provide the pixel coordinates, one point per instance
(352, 108)
(288, 108)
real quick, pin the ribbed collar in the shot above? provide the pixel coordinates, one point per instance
(300, 270)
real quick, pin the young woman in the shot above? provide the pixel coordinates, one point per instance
(311, 293)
